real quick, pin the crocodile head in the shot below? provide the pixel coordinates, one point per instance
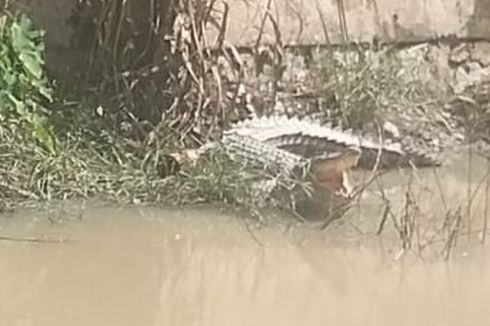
(331, 171)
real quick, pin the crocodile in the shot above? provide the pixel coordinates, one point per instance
(287, 146)
(309, 138)
(328, 170)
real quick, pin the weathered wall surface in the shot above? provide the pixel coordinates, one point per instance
(305, 21)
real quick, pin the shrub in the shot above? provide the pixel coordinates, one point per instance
(364, 82)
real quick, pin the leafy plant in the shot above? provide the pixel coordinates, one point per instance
(24, 88)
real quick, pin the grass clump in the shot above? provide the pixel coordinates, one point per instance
(82, 170)
(364, 83)
(28, 172)
(54, 151)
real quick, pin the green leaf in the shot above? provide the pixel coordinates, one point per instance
(45, 137)
(20, 42)
(24, 43)
(31, 63)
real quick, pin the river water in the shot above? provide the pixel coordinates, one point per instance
(90, 264)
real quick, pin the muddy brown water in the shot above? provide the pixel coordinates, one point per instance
(204, 266)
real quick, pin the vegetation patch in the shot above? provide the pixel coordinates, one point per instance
(24, 89)
(365, 83)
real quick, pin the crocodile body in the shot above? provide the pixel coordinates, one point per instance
(327, 170)
(304, 148)
(257, 154)
(326, 194)
(288, 145)
(308, 138)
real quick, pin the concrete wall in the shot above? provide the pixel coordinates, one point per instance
(299, 21)
(302, 21)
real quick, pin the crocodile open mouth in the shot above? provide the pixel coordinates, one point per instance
(333, 172)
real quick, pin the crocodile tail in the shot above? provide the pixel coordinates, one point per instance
(392, 156)
(421, 158)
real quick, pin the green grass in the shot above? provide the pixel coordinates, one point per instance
(365, 83)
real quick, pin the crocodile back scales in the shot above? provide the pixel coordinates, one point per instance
(308, 138)
(255, 153)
